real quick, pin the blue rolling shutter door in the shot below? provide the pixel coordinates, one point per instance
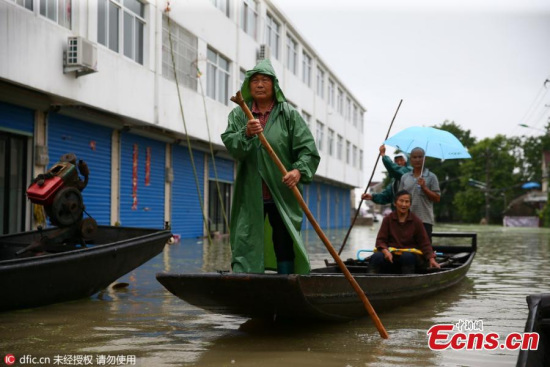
(149, 211)
(334, 209)
(314, 202)
(186, 210)
(324, 209)
(305, 194)
(16, 119)
(224, 170)
(346, 208)
(92, 144)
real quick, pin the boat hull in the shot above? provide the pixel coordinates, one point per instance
(538, 321)
(75, 273)
(324, 294)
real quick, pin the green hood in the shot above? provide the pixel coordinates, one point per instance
(263, 67)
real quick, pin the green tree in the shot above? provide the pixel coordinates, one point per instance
(494, 164)
(448, 173)
(531, 151)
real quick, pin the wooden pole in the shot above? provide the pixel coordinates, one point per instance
(368, 185)
(383, 333)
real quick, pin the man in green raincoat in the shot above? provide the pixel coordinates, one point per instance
(266, 218)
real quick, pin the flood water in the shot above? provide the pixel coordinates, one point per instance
(144, 325)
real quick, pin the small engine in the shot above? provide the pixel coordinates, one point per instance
(59, 191)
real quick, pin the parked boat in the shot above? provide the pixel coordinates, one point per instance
(538, 321)
(33, 274)
(324, 293)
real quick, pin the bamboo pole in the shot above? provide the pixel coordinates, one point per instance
(366, 188)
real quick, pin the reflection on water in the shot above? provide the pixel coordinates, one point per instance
(160, 330)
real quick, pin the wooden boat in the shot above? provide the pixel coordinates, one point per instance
(32, 277)
(538, 321)
(324, 293)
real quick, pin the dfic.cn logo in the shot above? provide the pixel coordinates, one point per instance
(9, 359)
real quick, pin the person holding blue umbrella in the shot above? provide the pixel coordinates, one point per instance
(424, 188)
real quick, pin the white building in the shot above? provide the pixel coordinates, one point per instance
(115, 104)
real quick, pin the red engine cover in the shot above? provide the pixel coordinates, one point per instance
(44, 194)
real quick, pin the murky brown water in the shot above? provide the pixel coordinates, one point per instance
(146, 322)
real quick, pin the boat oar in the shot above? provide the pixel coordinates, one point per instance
(368, 185)
(238, 99)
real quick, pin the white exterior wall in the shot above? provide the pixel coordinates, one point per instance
(31, 55)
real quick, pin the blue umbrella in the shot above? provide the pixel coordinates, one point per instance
(436, 143)
(530, 185)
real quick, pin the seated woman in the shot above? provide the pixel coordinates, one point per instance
(402, 230)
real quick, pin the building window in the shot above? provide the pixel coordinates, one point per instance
(306, 69)
(340, 102)
(249, 17)
(330, 142)
(57, 10)
(242, 76)
(361, 120)
(348, 152)
(130, 13)
(307, 118)
(223, 5)
(272, 35)
(217, 77)
(339, 147)
(319, 135)
(184, 46)
(320, 83)
(361, 159)
(348, 109)
(354, 156)
(330, 93)
(291, 54)
(24, 3)
(355, 116)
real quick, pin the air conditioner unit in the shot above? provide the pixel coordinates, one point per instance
(263, 53)
(80, 56)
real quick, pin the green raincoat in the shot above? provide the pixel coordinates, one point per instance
(287, 133)
(395, 171)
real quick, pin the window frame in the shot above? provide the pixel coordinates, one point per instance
(291, 54)
(330, 142)
(223, 6)
(307, 118)
(248, 11)
(339, 147)
(45, 6)
(137, 44)
(347, 111)
(306, 68)
(320, 82)
(186, 70)
(222, 97)
(272, 34)
(27, 4)
(340, 102)
(319, 135)
(330, 92)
